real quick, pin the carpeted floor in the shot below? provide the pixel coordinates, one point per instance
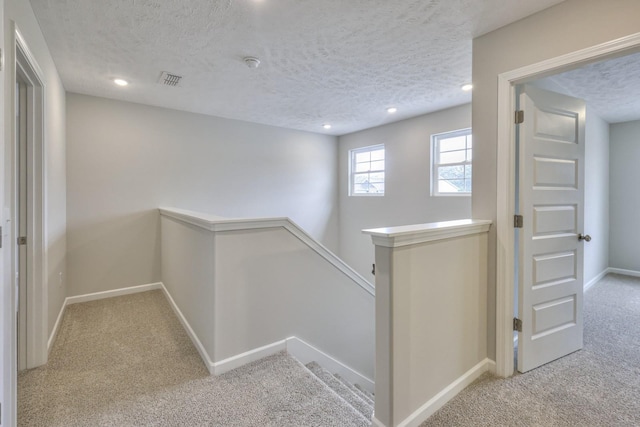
(126, 361)
(597, 386)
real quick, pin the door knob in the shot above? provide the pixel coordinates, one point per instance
(584, 237)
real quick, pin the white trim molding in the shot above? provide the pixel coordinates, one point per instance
(242, 359)
(296, 347)
(220, 224)
(596, 279)
(506, 178)
(448, 393)
(25, 68)
(405, 235)
(624, 272)
(113, 293)
(204, 355)
(94, 297)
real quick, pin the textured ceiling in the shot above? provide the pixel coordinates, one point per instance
(611, 88)
(323, 61)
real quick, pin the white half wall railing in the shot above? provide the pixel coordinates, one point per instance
(246, 288)
(431, 316)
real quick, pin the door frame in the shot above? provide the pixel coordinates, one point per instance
(26, 67)
(505, 261)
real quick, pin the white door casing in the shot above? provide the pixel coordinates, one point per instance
(551, 168)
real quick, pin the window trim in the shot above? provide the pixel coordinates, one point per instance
(435, 146)
(352, 173)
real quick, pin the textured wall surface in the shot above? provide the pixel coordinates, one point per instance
(125, 160)
(336, 61)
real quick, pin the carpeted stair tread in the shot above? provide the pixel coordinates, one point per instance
(341, 390)
(367, 393)
(354, 389)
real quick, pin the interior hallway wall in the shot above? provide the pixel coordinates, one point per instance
(625, 197)
(596, 196)
(407, 199)
(125, 160)
(567, 27)
(21, 13)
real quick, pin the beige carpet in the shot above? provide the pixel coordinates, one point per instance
(126, 361)
(597, 386)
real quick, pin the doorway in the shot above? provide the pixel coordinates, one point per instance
(28, 188)
(506, 180)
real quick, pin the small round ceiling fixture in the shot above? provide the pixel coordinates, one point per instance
(467, 87)
(327, 126)
(392, 110)
(252, 61)
(120, 82)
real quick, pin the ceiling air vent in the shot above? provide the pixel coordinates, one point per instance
(169, 79)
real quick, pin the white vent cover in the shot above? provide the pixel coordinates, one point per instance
(169, 79)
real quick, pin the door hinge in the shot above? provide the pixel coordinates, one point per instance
(519, 117)
(22, 240)
(518, 221)
(373, 270)
(517, 324)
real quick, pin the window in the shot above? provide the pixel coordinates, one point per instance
(367, 171)
(451, 165)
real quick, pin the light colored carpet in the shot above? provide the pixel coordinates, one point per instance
(597, 386)
(126, 361)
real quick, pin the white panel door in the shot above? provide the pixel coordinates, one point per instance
(551, 199)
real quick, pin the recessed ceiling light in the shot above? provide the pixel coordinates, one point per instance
(467, 87)
(120, 82)
(391, 110)
(326, 126)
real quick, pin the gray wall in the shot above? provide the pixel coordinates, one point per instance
(625, 196)
(596, 196)
(125, 160)
(567, 27)
(407, 198)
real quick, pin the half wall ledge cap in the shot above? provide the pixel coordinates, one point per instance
(405, 235)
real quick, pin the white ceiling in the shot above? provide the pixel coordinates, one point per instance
(323, 61)
(611, 88)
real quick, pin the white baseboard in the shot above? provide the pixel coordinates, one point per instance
(491, 366)
(624, 272)
(306, 353)
(436, 402)
(192, 335)
(298, 348)
(248, 357)
(114, 293)
(376, 422)
(596, 279)
(93, 297)
(56, 327)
